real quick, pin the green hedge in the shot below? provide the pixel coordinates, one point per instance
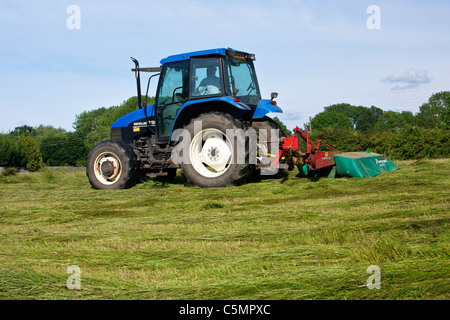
(405, 144)
(413, 143)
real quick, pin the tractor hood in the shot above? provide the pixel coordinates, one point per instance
(138, 115)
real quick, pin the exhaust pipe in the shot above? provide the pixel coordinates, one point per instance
(138, 81)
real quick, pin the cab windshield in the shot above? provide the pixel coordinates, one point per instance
(240, 76)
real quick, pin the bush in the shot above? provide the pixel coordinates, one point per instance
(32, 153)
(67, 149)
(412, 143)
(344, 140)
(11, 153)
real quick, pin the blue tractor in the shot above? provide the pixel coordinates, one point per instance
(217, 88)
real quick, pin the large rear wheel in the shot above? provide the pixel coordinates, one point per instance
(111, 165)
(215, 158)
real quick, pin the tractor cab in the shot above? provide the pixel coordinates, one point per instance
(203, 75)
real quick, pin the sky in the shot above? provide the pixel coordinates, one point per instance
(59, 58)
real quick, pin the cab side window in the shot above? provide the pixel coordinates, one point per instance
(205, 77)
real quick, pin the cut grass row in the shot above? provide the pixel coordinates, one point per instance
(287, 238)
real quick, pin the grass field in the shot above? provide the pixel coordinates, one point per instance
(286, 238)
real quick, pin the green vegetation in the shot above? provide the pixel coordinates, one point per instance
(286, 238)
(95, 125)
(33, 157)
(405, 144)
(434, 114)
(49, 146)
(399, 135)
(283, 127)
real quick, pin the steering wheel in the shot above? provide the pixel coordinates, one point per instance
(173, 93)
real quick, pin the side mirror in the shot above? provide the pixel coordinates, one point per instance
(273, 95)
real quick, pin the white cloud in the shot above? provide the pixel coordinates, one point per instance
(408, 79)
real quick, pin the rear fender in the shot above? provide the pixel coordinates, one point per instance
(194, 108)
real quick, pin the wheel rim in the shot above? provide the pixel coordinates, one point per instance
(211, 153)
(107, 168)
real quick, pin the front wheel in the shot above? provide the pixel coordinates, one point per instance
(215, 158)
(111, 165)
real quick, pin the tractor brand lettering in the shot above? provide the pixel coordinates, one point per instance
(144, 124)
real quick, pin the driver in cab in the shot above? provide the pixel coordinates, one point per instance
(210, 84)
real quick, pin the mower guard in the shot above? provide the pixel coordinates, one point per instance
(362, 164)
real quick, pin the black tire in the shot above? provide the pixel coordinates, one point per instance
(196, 170)
(272, 144)
(111, 165)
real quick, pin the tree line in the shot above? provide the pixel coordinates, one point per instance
(35, 147)
(399, 135)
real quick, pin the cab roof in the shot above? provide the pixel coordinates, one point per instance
(188, 55)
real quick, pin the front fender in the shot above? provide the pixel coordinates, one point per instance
(229, 100)
(264, 107)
